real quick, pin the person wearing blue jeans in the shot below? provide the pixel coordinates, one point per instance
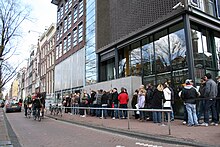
(189, 94)
(210, 93)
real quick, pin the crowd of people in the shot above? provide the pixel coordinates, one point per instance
(197, 102)
(143, 98)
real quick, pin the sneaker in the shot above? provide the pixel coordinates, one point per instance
(214, 124)
(113, 117)
(189, 125)
(205, 124)
(184, 122)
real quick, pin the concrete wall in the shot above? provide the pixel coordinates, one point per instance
(130, 83)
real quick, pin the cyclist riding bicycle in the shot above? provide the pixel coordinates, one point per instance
(37, 105)
(27, 104)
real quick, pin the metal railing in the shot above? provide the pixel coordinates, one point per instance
(128, 114)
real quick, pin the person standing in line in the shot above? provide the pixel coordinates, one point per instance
(134, 101)
(189, 94)
(210, 94)
(172, 101)
(148, 100)
(158, 96)
(115, 103)
(104, 104)
(123, 101)
(201, 102)
(141, 103)
(218, 98)
(167, 96)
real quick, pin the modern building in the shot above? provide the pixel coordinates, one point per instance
(158, 41)
(71, 46)
(128, 43)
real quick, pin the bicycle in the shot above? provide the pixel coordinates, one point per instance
(37, 115)
(58, 110)
(29, 111)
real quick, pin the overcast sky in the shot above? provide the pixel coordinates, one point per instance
(43, 15)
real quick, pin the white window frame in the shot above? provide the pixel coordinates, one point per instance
(68, 42)
(80, 32)
(195, 4)
(74, 36)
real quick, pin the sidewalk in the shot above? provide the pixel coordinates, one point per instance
(180, 134)
(4, 137)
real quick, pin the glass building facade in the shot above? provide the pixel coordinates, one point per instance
(90, 55)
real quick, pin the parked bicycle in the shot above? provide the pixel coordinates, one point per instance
(56, 109)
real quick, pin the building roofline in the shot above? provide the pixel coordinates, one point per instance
(55, 2)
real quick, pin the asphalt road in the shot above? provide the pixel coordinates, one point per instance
(53, 133)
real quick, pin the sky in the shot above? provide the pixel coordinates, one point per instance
(43, 14)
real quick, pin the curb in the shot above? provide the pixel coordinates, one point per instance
(159, 138)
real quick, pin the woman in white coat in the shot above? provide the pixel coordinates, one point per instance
(167, 96)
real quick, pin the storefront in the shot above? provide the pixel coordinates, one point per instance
(184, 49)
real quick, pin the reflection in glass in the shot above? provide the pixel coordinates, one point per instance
(178, 49)
(162, 52)
(217, 49)
(135, 59)
(147, 56)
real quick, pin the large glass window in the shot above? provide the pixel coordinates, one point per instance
(148, 56)
(217, 48)
(107, 70)
(177, 46)
(218, 7)
(162, 52)
(123, 59)
(135, 59)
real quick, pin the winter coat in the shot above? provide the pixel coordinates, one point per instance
(123, 98)
(156, 102)
(189, 93)
(141, 101)
(167, 96)
(210, 89)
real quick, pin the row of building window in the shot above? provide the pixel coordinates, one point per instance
(77, 37)
(67, 23)
(77, 9)
(211, 7)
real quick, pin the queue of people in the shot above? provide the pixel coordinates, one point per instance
(197, 103)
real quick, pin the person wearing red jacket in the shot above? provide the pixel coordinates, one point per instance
(123, 101)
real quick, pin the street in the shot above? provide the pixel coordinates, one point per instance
(53, 133)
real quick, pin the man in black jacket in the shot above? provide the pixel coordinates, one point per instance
(115, 103)
(189, 94)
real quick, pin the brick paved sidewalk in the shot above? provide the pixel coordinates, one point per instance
(198, 136)
(4, 137)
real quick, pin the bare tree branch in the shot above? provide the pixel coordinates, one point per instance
(12, 15)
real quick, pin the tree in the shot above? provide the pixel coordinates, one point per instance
(12, 14)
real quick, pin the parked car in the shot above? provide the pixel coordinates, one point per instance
(12, 106)
(2, 103)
